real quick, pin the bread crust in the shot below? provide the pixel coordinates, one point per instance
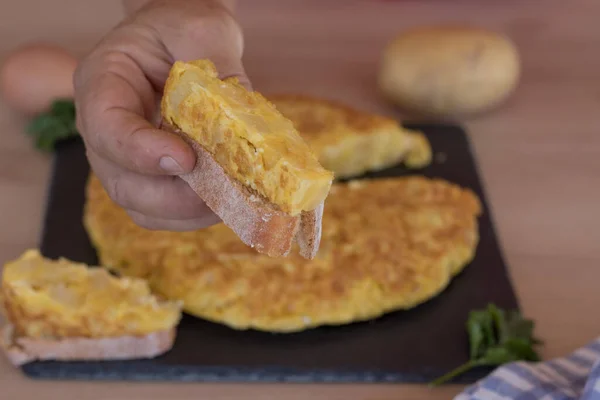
(23, 350)
(256, 221)
(309, 234)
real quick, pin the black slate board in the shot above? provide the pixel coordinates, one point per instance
(407, 346)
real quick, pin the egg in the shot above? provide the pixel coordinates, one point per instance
(34, 75)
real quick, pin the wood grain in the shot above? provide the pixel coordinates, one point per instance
(539, 153)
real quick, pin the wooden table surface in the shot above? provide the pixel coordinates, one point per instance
(539, 154)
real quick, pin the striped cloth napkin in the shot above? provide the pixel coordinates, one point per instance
(575, 377)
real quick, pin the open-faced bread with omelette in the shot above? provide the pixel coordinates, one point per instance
(253, 169)
(62, 310)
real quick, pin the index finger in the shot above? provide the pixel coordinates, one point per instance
(114, 101)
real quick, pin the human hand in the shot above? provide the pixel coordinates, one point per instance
(118, 88)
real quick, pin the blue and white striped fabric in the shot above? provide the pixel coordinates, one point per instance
(575, 377)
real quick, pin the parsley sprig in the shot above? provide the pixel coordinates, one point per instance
(55, 125)
(496, 337)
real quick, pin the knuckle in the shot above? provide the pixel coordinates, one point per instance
(112, 59)
(85, 127)
(138, 158)
(116, 192)
(210, 24)
(78, 76)
(79, 126)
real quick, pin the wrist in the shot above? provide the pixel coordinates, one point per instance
(132, 6)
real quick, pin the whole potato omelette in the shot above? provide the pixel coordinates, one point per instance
(387, 244)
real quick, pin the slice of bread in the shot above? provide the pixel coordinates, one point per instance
(253, 170)
(61, 310)
(258, 223)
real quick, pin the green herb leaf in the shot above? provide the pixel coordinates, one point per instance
(498, 317)
(476, 337)
(487, 325)
(53, 126)
(522, 349)
(497, 356)
(518, 327)
(63, 107)
(496, 337)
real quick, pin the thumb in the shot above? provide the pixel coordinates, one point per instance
(228, 66)
(232, 69)
(194, 30)
(217, 37)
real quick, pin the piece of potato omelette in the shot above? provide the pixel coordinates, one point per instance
(349, 141)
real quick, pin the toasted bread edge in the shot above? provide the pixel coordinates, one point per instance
(309, 234)
(23, 350)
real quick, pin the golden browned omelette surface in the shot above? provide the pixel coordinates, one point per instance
(350, 142)
(387, 244)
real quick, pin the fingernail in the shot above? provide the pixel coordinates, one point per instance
(169, 165)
